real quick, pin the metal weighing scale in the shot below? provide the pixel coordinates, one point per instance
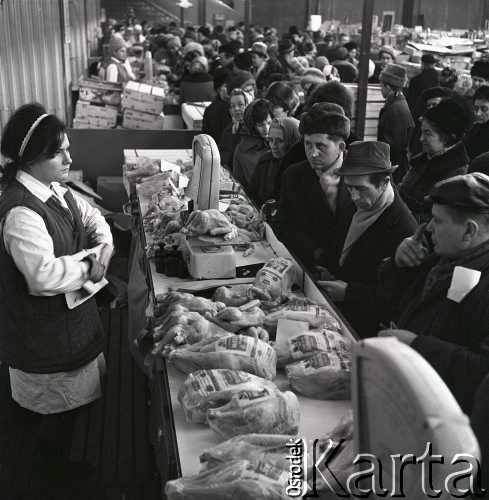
(400, 405)
(213, 257)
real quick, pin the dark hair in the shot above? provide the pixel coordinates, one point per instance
(481, 93)
(334, 92)
(377, 179)
(281, 94)
(447, 139)
(261, 109)
(44, 142)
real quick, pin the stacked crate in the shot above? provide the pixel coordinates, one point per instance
(375, 102)
(142, 106)
(98, 104)
(193, 114)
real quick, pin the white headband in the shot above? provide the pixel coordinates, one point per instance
(28, 136)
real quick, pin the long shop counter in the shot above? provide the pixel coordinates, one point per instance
(178, 443)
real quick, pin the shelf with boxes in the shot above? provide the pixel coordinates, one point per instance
(142, 106)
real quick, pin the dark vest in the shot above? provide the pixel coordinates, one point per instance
(40, 334)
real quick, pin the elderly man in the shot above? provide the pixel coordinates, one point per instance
(439, 301)
(313, 196)
(381, 221)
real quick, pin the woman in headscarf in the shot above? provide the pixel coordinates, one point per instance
(254, 140)
(267, 177)
(197, 86)
(238, 100)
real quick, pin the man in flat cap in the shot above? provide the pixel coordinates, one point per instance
(439, 302)
(313, 196)
(380, 223)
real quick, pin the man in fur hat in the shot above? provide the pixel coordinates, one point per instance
(313, 196)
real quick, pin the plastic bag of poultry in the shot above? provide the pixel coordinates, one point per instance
(256, 410)
(206, 389)
(268, 448)
(273, 282)
(325, 375)
(274, 449)
(298, 309)
(210, 222)
(237, 319)
(236, 352)
(235, 480)
(306, 344)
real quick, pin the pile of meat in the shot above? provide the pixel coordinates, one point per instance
(233, 402)
(253, 466)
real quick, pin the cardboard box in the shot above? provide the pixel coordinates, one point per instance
(98, 116)
(99, 91)
(143, 97)
(112, 191)
(193, 113)
(139, 120)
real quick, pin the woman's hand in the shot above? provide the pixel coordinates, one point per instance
(106, 252)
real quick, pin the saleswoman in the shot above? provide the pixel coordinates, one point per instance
(52, 244)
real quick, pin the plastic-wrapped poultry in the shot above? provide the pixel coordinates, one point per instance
(236, 352)
(207, 389)
(235, 480)
(298, 309)
(325, 375)
(144, 167)
(273, 282)
(235, 319)
(256, 410)
(307, 343)
(273, 450)
(232, 295)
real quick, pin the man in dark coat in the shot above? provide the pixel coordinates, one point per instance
(313, 196)
(380, 223)
(216, 115)
(427, 79)
(439, 301)
(396, 124)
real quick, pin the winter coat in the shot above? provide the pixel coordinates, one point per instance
(363, 306)
(304, 220)
(451, 336)
(347, 71)
(395, 128)
(427, 79)
(197, 87)
(425, 173)
(227, 145)
(477, 140)
(216, 117)
(246, 156)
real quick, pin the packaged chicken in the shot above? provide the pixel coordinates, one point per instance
(273, 282)
(325, 375)
(235, 480)
(261, 410)
(274, 449)
(207, 389)
(232, 295)
(210, 222)
(299, 309)
(307, 343)
(236, 352)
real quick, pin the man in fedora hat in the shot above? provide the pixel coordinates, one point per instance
(263, 66)
(381, 221)
(313, 196)
(439, 301)
(396, 124)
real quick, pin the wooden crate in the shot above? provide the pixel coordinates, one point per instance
(375, 102)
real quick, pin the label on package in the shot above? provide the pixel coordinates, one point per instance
(250, 397)
(260, 351)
